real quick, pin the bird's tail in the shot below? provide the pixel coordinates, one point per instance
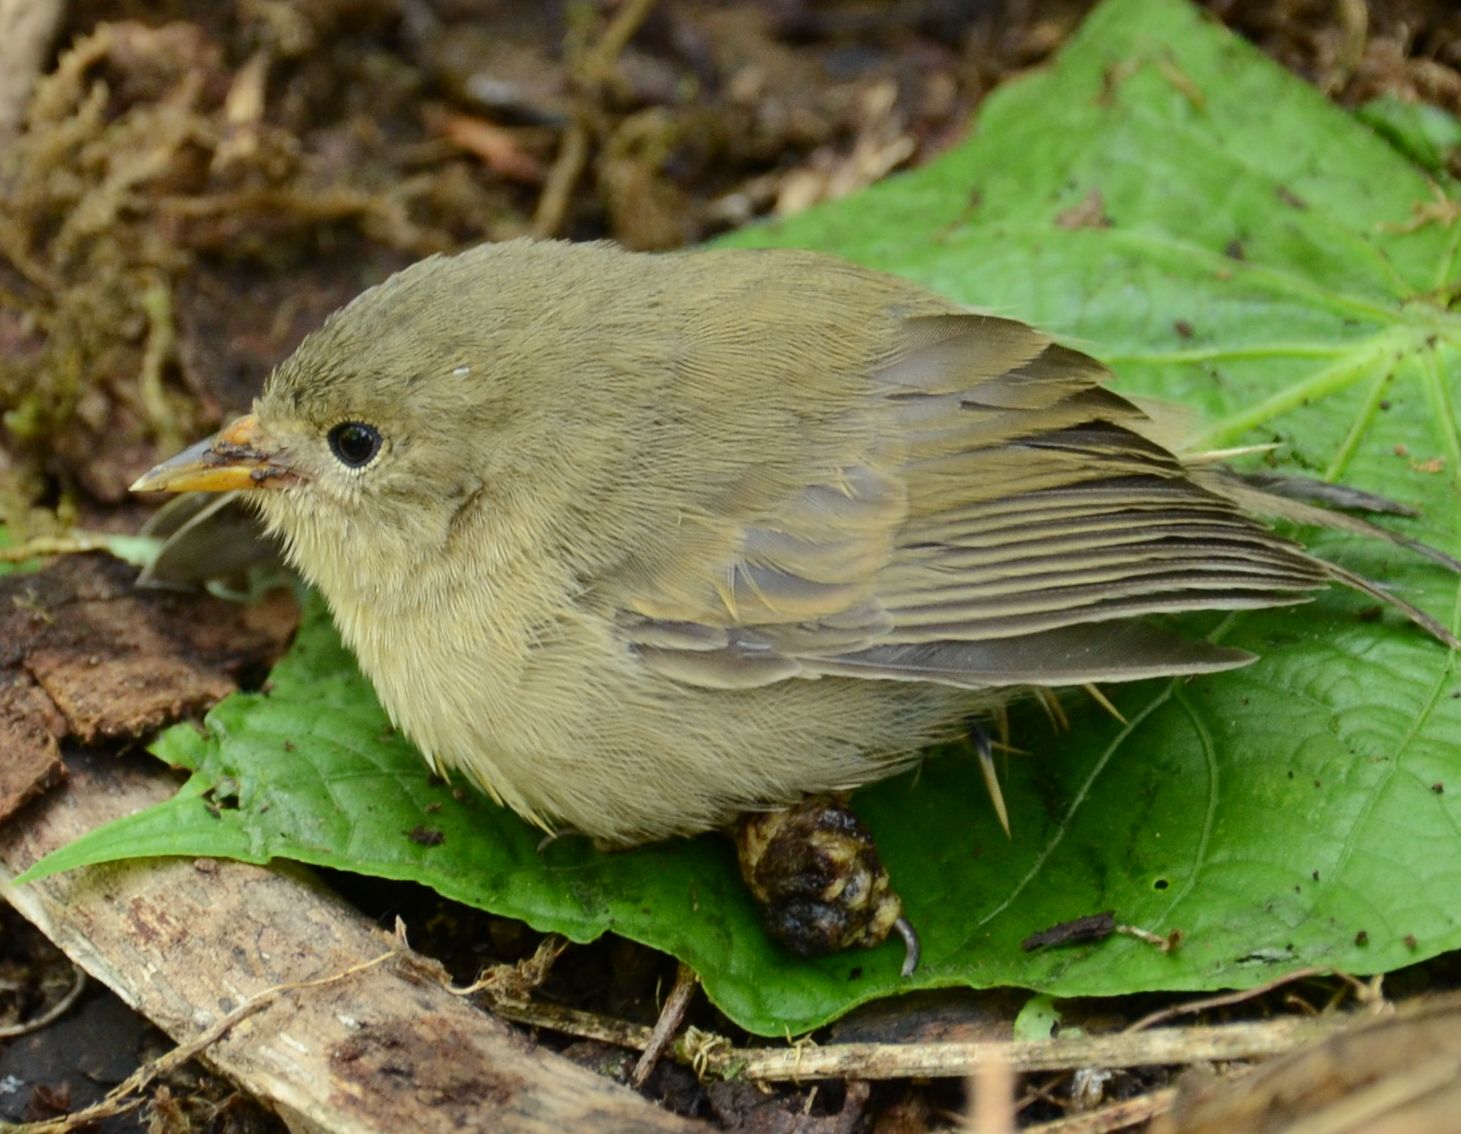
(1303, 500)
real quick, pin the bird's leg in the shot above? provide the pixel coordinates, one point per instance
(817, 876)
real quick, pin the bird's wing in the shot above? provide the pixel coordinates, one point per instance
(1002, 522)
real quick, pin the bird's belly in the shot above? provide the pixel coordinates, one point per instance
(569, 730)
(551, 721)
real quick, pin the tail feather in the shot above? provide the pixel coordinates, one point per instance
(1304, 488)
(1294, 499)
(1284, 503)
(1375, 591)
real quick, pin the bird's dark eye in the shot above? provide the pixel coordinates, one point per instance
(354, 443)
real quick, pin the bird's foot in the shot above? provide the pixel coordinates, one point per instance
(821, 886)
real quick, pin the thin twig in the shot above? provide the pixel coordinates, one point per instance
(713, 1055)
(1166, 1046)
(615, 37)
(1226, 999)
(54, 1012)
(593, 71)
(575, 1022)
(1117, 1116)
(670, 1019)
(558, 187)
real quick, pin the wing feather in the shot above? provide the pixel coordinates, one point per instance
(999, 517)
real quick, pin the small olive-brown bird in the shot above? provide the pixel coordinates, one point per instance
(641, 542)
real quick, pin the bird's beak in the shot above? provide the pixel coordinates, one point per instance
(237, 456)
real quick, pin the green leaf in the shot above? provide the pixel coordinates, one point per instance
(1426, 134)
(1210, 226)
(1037, 1019)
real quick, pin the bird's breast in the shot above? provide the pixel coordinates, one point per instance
(471, 674)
